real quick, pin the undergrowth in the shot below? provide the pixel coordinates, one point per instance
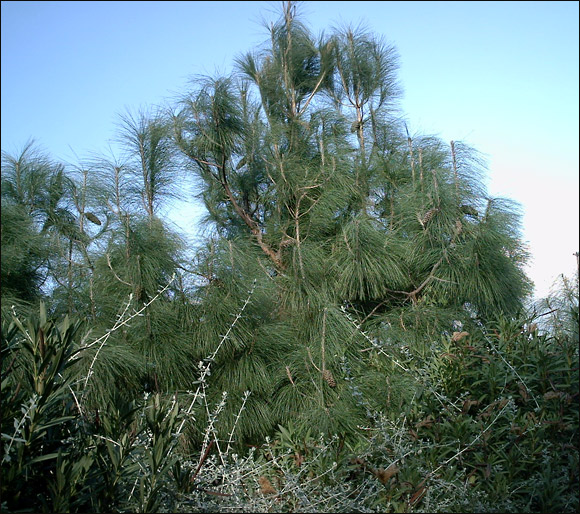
(489, 423)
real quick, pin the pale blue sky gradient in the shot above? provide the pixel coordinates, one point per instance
(501, 76)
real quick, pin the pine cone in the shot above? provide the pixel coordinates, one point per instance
(458, 227)
(327, 375)
(91, 217)
(429, 214)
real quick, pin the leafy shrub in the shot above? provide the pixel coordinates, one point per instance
(490, 425)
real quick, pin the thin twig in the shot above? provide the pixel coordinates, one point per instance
(120, 322)
(231, 437)
(113, 271)
(470, 444)
(206, 369)
(395, 361)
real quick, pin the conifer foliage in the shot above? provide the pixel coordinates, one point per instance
(318, 193)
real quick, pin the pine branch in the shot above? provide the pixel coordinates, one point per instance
(247, 219)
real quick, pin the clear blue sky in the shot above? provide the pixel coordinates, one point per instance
(501, 76)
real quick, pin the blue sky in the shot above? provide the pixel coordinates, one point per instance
(501, 76)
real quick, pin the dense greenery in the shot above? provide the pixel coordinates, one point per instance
(350, 336)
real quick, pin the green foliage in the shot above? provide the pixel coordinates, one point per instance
(560, 309)
(149, 161)
(35, 398)
(349, 336)
(366, 261)
(23, 253)
(487, 419)
(59, 456)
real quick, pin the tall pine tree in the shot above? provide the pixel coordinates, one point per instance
(346, 223)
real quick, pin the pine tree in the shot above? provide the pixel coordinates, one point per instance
(348, 224)
(30, 192)
(140, 257)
